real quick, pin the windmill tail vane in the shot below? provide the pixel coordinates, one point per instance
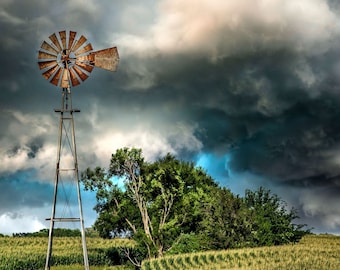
(67, 60)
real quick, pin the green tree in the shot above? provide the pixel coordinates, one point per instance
(160, 202)
(272, 223)
(226, 221)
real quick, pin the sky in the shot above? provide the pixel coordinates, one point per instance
(249, 90)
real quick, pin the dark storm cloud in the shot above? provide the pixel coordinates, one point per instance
(255, 106)
(295, 143)
(317, 181)
(272, 109)
(253, 83)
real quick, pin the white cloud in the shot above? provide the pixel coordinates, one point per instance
(16, 223)
(154, 143)
(205, 24)
(22, 130)
(26, 219)
(92, 150)
(218, 29)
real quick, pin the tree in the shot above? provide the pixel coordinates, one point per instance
(161, 201)
(272, 222)
(226, 220)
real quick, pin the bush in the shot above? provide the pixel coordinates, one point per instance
(187, 243)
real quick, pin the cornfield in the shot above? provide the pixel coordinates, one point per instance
(313, 252)
(26, 253)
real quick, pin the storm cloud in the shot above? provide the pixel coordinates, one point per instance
(247, 89)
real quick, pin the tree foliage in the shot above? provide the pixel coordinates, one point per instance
(172, 206)
(160, 200)
(271, 221)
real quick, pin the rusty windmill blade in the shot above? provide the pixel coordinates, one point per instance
(55, 41)
(46, 56)
(85, 49)
(62, 35)
(82, 75)
(71, 38)
(79, 43)
(73, 77)
(48, 73)
(89, 58)
(49, 48)
(56, 77)
(47, 64)
(85, 66)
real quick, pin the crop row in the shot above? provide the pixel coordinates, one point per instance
(313, 252)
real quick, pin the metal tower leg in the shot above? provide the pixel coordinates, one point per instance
(66, 114)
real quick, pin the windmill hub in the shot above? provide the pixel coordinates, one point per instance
(66, 59)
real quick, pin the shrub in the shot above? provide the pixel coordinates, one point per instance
(187, 243)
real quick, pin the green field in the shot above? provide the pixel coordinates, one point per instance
(26, 253)
(313, 252)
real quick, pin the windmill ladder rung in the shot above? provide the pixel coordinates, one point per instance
(70, 111)
(64, 219)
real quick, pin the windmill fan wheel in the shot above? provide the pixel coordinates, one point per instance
(67, 60)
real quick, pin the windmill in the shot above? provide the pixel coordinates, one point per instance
(66, 60)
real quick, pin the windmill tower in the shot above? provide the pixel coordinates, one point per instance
(66, 60)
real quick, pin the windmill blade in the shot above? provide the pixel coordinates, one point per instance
(48, 73)
(56, 77)
(64, 79)
(44, 55)
(55, 41)
(71, 39)
(46, 64)
(62, 35)
(48, 48)
(83, 76)
(89, 58)
(80, 42)
(74, 79)
(106, 59)
(86, 49)
(85, 66)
